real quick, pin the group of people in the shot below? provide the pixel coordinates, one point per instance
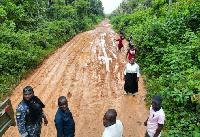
(131, 72)
(29, 115)
(154, 123)
(156, 118)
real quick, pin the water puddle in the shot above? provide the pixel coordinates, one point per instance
(104, 58)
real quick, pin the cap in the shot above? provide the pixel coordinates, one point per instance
(27, 88)
(157, 99)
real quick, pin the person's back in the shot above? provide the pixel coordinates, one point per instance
(115, 130)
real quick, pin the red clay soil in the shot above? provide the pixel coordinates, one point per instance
(88, 70)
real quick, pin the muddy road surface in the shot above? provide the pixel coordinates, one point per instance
(88, 70)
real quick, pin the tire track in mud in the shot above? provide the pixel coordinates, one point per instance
(88, 70)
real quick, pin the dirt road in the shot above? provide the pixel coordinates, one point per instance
(89, 71)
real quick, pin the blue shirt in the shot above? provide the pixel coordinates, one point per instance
(24, 129)
(64, 123)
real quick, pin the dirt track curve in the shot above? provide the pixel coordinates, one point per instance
(89, 71)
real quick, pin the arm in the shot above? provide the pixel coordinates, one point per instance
(158, 130)
(138, 73)
(125, 73)
(45, 118)
(127, 53)
(124, 77)
(145, 123)
(160, 124)
(59, 127)
(21, 120)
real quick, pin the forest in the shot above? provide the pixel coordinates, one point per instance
(30, 30)
(166, 34)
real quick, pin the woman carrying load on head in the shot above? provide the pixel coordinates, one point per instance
(131, 77)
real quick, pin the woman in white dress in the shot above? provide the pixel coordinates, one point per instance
(131, 77)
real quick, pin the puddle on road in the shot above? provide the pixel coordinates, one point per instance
(113, 54)
(116, 67)
(85, 55)
(105, 57)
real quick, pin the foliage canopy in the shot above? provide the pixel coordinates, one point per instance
(169, 57)
(31, 29)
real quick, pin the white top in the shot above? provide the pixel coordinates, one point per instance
(155, 118)
(132, 51)
(115, 130)
(132, 69)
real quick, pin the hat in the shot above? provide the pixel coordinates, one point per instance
(157, 99)
(27, 88)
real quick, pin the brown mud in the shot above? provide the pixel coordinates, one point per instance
(88, 70)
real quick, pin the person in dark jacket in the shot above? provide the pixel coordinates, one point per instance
(29, 114)
(64, 121)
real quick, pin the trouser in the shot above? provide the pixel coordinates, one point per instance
(34, 130)
(146, 134)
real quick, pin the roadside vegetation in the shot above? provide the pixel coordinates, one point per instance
(30, 30)
(168, 40)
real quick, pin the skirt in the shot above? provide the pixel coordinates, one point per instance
(130, 56)
(120, 46)
(131, 85)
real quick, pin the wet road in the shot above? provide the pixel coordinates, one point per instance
(89, 71)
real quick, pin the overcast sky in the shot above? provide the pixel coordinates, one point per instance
(110, 5)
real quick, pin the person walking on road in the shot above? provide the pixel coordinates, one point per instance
(64, 121)
(29, 114)
(114, 128)
(120, 45)
(156, 118)
(131, 77)
(130, 39)
(131, 52)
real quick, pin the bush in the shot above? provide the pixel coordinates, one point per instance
(30, 31)
(169, 57)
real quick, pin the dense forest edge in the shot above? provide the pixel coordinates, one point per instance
(167, 38)
(30, 30)
(167, 35)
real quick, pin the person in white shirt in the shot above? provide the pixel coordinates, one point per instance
(114, 128)
(156, 118)
(131, 77)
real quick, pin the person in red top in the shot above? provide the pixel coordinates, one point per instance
(120, 45)
(131, 52)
